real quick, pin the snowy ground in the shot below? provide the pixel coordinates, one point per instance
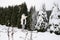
(19, 35)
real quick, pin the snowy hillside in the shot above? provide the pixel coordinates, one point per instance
(21, 35)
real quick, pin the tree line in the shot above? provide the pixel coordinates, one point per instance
(11, 16)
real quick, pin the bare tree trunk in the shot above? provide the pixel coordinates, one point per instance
(8, 34)
(26, 35)
(31, 36)
(12, 33)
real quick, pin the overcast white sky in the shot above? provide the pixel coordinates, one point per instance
(36, 3)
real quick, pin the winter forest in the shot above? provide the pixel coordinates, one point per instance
(18, 18)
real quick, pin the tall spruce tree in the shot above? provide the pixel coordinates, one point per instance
(22, 10)
(1, 10)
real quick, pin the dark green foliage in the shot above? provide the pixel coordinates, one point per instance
(24, 9)
(11, 16)
(28, 23)
(8, 17)
(48, 14)
(16, 10)
(14, 16)
(1, 10)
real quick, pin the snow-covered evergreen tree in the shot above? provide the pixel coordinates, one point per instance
(54, 20)
(42, 19)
